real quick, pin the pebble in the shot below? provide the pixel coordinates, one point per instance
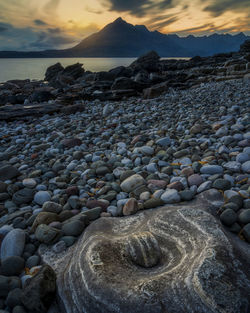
(170, 196)
(246, 167)
(13, 244)
(29, 183)
(244, 217)
(12, 266)
(130, 207)
(195, 179)
(59, 173)
(132, 182)
(41, 197)
(228, 217)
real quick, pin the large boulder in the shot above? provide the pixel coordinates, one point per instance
(53, 71)
(75, 71)
(149, 62)
(176, 258)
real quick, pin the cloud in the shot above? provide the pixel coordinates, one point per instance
(40, 22)
(94, 11)
(4, 27)
(218, 7)
(47, 41)
(161, 21)
(51, 6)
(28, 38)
(139, 8)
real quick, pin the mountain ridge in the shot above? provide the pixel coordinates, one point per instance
(121, 39)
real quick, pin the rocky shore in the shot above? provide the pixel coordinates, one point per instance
(67, 89)
(102, 160)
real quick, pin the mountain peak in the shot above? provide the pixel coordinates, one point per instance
(119, 20)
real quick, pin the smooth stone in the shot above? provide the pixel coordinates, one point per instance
(164, 142)
(132, 183)
(211, 169)
(246, 167)
(73, 228)
(13, 244)
(52, 207)
(12, 266)
(204, 186)
(153, 203)
(228, 217)
(233, 166)
(195, 179)
(29, 183)
(114, 210)
(243, 157)
(186, 195)
(44, 218)
(144, 196)
(32, 261)
(170, 196)
(93, 214)
(130, 207)
(244, 216)
(7, 284)
(14, 298)
(146, 150)
(46, 234)
(5, 229)
(23, 196)
(8, 172)
(41, 197)
(221, 184)
(231, 205)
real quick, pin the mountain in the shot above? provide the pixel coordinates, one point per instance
(121, 39)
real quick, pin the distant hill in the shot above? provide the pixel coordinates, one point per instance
(121, 39)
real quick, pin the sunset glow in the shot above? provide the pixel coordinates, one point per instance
(45, 24)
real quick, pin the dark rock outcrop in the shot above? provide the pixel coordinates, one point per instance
(245, 47)
(53, 71)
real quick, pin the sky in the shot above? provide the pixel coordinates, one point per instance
(46, 24)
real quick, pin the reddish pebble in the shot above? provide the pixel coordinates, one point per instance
(131, 207)
(157, 183)
(177, 185)
(71, 143)
(187, 171)
(72, 191)
(34, 156)
(135, 139)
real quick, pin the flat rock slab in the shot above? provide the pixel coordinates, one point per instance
(174, 259)
(12, 112)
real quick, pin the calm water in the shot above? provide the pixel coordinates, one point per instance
(36, 68)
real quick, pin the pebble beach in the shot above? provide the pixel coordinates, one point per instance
(59, 173)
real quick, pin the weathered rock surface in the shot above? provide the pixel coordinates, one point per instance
(171, 259)
(39, 291)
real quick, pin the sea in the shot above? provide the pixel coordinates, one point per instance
(35, 68)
